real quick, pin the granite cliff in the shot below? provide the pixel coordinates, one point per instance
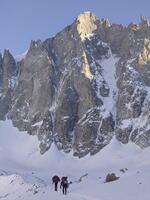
(81, 87)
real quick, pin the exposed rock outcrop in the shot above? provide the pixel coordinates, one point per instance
(83, 86)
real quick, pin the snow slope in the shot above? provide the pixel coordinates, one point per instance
(25, 174)
(18, 58)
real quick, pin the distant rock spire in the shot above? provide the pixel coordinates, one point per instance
(143, 18)
(133, 26)
(34, 44)
(9, 69)
(86, 24)
(105, 22)
(144, 22)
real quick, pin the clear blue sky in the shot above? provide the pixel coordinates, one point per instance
(24, 20)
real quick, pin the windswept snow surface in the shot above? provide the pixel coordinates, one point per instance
(25, 174)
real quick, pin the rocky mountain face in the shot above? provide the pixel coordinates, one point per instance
(83, 86)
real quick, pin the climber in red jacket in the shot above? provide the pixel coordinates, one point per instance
(55, 180)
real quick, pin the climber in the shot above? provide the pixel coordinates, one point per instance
(64, 184)
(55, 180)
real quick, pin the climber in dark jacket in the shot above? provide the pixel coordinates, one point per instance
(64, 184)
(55, 180)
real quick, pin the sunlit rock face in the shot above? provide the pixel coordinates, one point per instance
(86, 24)
(83, 86)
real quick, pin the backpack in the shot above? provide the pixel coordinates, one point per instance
(65, 183)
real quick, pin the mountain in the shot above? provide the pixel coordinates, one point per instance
(83, 86)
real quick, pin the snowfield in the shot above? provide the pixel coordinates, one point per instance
(25, 174)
